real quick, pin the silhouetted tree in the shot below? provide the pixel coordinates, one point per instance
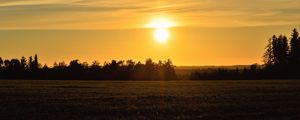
(139, 71)
(114, 70)
(280, 62)
(35, 62)
(76, 69)
(45, 67)
(23, 63)
(60, 66)
(30, 63)
(295, 47)
(150, 71)
(75, 65)
(6, 64)
(15, 65)
(129, 69)
(169, 71)
(286, 61)
(268, 57)
(1, 62)
(96, 64)
(280, 50)
(85, 65)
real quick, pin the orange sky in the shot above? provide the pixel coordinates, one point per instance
(202, 32)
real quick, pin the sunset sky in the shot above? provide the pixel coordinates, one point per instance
(192, 32)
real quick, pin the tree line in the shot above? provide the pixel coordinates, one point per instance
(30, 68)
(281, 61)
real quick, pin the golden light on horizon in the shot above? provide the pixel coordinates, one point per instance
(161, 27)
(161, 22)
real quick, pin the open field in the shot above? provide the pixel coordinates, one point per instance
(205, 100)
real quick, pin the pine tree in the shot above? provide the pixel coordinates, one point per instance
(295, 47)
(23, 63)
(268, 57)
(280, 50)
(35, 62)
(30, 63)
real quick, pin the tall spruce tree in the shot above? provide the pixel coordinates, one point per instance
(280, 49)
(35, 62)
(268, 57)
(295, 47)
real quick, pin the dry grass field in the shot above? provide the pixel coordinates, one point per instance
(167, 100)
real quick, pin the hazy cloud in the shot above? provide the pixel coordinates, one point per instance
(126, 14)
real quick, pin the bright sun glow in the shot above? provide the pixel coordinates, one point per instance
(162, 35)
(161, 25)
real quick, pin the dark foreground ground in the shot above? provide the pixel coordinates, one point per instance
(205, 100)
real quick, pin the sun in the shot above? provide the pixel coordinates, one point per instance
(161, 35)
(161, 27)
